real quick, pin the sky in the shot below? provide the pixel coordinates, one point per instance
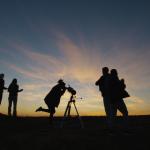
(42, 41)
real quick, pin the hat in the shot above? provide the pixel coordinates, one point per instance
(60, 81)
(1, 75)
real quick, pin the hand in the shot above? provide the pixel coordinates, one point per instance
(20, 90)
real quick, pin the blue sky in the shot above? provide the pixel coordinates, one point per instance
(42, 41)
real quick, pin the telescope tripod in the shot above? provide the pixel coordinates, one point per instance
(68, 111)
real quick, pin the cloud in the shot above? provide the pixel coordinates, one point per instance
(74, 64)
(27, 72)
(80, 65)
(78, 61)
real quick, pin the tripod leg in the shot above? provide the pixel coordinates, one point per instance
(69, 110)
(66, 111)
(81, 122)
(65, 115)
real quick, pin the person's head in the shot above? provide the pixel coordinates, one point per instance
(2, 76)
(61, 82)
(122, 80)
(105, 70)
(114, 72)
(14, 81)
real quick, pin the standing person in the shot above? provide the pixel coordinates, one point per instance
(52, 99)
(117, 94)
(104, 86)
(13, 90)
(2, 86)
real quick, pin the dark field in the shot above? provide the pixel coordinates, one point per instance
(25, 133)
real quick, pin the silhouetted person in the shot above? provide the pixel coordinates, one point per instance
(104, 86)
(2, 86)
(13, 90)
(53, 98)
(118, 92)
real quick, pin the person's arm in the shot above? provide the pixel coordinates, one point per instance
(97, 82)
(9, 88)
(123, 83)
(20, 90)
(4, 88)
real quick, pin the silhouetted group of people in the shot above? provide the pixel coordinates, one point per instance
(113, 91)
(13, 90)
(112, 88)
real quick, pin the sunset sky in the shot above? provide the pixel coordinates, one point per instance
(42, 41)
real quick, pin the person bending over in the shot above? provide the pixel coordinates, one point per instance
(52, 99)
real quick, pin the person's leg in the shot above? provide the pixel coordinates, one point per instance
(43, 109)
(15, 106)
(114, 109)
(9, 106)
(105, 106)
(114, 113)
(109, 111)
(123, 109)
(52, 112)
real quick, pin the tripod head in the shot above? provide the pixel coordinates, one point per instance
(72, 98)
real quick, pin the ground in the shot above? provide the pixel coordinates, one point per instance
(25, 133)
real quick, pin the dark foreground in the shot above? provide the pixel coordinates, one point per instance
(36, 133)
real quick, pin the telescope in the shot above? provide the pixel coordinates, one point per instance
(71, 90)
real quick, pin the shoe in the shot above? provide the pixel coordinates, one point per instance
(39, 109)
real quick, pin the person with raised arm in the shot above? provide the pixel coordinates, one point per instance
(13, 90)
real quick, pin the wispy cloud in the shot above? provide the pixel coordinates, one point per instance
(75, 63)
(79, 64)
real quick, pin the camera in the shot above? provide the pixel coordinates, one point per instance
(71, 90)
